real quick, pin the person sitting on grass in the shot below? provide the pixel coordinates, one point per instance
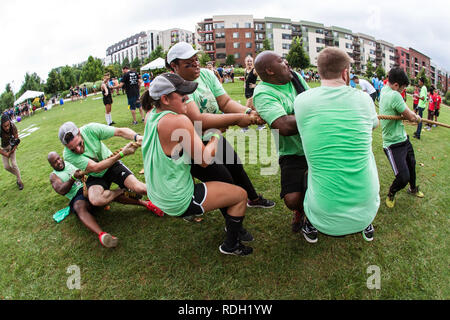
(396, 144)
(335, 122)
(167, 160)
(85, 150)
(274, 101)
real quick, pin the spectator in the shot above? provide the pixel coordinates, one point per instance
(366, 87)
(10, 141)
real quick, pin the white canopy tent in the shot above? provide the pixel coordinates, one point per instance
(158, 63)
(29, 94)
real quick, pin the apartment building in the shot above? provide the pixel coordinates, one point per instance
(364, 50)
(419, 61)
(142, 44)
(385, 55)
(402, 59)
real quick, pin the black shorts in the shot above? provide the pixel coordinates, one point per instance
(78, 196)
(294, 173)
(374, 96)
(430, 112)
(249, 92)
(436, 112)
(196, 205)
(134, 102)
(118, 173)
(107, 100)
(415, 106)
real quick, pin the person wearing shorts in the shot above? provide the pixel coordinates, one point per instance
(85, 150)
(131, 82)
(65, 180)
(146, 79)
(107, 99)
(274, 101)
(168, 174)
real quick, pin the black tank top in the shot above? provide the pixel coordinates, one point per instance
(250, 78)
(109, 95)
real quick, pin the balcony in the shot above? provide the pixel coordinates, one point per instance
(329, 36)
(205, 31)
(206, 41)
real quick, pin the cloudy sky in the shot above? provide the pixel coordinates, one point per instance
(40, 35)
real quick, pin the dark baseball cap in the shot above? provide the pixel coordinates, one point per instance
(170, 82)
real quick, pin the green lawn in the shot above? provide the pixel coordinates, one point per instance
(168, 258)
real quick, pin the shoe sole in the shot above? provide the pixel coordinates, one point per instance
(232, 253)
(367, 239)
(259, 206)
(109, 241)
(308, 239)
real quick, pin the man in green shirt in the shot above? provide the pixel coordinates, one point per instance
(85, 150)
(65, 180)
(335, 122)
(396, 144)
(273, 99)
(421, 106)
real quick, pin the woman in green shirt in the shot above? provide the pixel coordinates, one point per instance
(169, 144)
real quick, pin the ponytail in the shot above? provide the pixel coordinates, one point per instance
(147, 102)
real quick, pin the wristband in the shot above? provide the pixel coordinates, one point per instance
(216, 135)
(135, 136)
(248, 111)
(73, 177)
(121, 154)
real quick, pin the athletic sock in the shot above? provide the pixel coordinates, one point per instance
(107, 115)
(234, 224)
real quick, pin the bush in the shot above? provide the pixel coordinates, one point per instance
(64, 94)
(447, 98)
(239, 72)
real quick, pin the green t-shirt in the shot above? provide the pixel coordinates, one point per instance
(94, 149)
(65, 175)
(209, 87)
(392, 104)
(273, 101)
(424, 94)
(169, 182)
(336, 128)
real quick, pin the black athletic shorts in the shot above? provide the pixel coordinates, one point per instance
(117, 174)
(436, 112)
(294, 173)
(78, 196)
(196, 205)
(431, 112)
(107, 100)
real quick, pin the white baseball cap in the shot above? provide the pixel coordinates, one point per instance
(182, 50)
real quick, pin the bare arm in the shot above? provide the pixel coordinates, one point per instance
(127, 133)
(60, 187)
(287, 125)
(228, 105)
(411, 116)
(107, 163)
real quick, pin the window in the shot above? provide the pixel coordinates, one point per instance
(320, 40)
(270, 36)
(372, 51)
(318, 49)
(285, 26)
(259, 46)
(220, 45)
(286, 36)
(237, 55)
(220, 35)
(219, 25)
(235, 35)
(236, 45)
(269, 25)
(248, 24)
(259, 36)
(235, 25)
(248, 45)
(248, 35)
(286, 46)
(221, 56)
(348, 46)
(320, 31)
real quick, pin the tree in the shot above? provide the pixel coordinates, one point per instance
(114, 70)
(204, 59)
(69, 77)
(230, 60)
(297, 58)
(266, 45)
(126, 62)
(92, 70)
(370, 69)
(158, 53)
(55, 82)
(6, 100)
(136, 64)
(380, 72)
(31, 82)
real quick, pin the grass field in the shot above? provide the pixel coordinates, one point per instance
(168, 258)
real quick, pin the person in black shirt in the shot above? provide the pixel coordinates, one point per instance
(131, 81)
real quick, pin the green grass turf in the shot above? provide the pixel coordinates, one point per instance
(168, 258)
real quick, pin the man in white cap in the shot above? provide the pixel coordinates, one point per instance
(85, 150)
(211, 105)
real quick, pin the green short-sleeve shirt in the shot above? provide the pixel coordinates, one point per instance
(424, 95)
(275, 101)
(336, 125)
(94, 149)
(392, 104)
(209, 87)
(65, 175)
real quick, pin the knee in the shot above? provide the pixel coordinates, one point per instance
(403, 178)
(80, 208)
(294, 201)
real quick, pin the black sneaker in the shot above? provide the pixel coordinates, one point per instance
(260, 203)
(244, 235)
(112, 123)
(368, 233)
(309, 232)
(135, 122)
(238, 250)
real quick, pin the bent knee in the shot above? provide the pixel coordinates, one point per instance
(294, 201)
